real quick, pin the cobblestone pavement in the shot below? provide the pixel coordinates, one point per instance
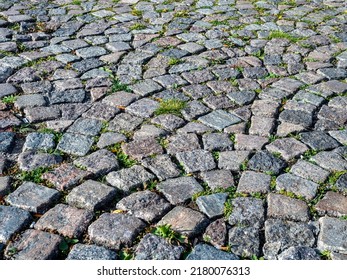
(173, 129)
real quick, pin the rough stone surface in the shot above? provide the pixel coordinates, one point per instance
(153, 247)
(12, 221)
(115, 230)
(212, 205)
(185, 221)
(266, 162)
(33, 198)
(66, 220)
(244, 241)
(91, 195)
(207, 252)
(332, 204)
(130, 178)
(254, 182)
(196, 160)
(332, 235)
(145, 205)
(247, 212)
(299, 253)
(283, 207)
(90, 252)
(35, 245)
(179, 190)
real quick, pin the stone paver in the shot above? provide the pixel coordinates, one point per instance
(255, 104)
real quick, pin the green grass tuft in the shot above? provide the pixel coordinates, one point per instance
(284, 35)
(9, 99)
(170, 106)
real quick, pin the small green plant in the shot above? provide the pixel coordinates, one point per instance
(228, 208)
(243, 165)
(325, 255)
(76, 2)
(170, 106)
(273, 183)
(309, 153)
(283, 35)
(104, 127)
(9, 99)
(205, 192)
(165, 231)
(174, 61)
(183, 13)
(334, 176)
(124, 160)
(65, 245)
(215, 155)
(118, 86)
(163, 142)
(125, 255)
(34, 175)
(11, 251)
(272, 138)
(258, 195)
(56, 135)
(151, 185)
(217, 22)
(137, 26)
(256, 258)
(136, 13)
(344, 218)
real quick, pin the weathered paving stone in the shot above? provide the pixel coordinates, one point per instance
(75, 144)
(254, 182)
(219, 119)
(120, 98)
(266, 162)
(99, 163)
(91, 195)
(194, 127)
(12, 221)
(110, 138)
(216, 233)
(244, 241)
(153, 247)
(90, 252)
(67, 96)
(212, 205)
(332, 204)
(330, 160)
(340, 136)
(32, 160)
(217, 141)
(145, 205)
(142, 148)
(124, 122)
(249, 142)
(129, 178)
(182, 142)
(39, 141)
(66, 220)
(232, 160)
(162, 166)
(216, 179)
(90, 127)
(149, 131)
(296, 117)
(115, 230)
(283, 207)
(7, 119)
(179, 190)
(33, 198)
(318, 140)
(208, 252)
(5, 185)
(194, 109)
(281, 235)
(168, 121)
(35, 245)
(341, 183)
(185, 221)
(101, 112)
(289, 148)
(242, 97)
(6, 141)
(297, 185)
(309, 171)
(144, 108)
(146, 87)
(196, 160)
(332, 235)
(39, 114)
(65, 176)
(30, 100)
(333, 73)
(262, 126)
(299, 253)
(247, 212)
(7, 89)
